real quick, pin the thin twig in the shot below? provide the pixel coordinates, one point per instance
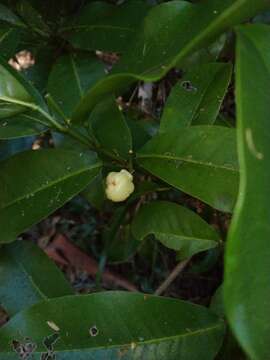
(53, 104)
(66, 130)
(176, 271)
(66, 253)
(34, 107)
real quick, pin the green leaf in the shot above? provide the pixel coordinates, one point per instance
(144, 188)
(105, 27)
(6, 15)
(67, 142)
(226, 121)
(247, 266)
(116, 325)
(174, 226)
(207, 54)
(70, 77)
(207, 262)
(170, 32)
(27, 276)
(217, 303)
(119, 241)
(95, 192)
(9, 40)
(21, 125)
(33, 18)
(122, 246)
(110, 129)
(11, 88)
(55, 11)
(14, 146)
(230, 348)
(199, 160)
(15, 89)
(197, 98)
(139, 134)
(33, 184)
(38, 74)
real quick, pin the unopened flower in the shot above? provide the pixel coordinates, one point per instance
(119, 185)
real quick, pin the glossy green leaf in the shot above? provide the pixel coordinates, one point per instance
(38, 74)
(247, 266)
(95, 192)
(223, 120)
(27, 276)
(175, 226)
(207, 262)
(217, 303)
(67, 142)
(11, 88)
(199, 160)
(145, 188)
(21, 125)
(70, 77)
(14, 146)
(106, 27)
(33, 184)
(230, 348)
(110, 129)
(139, 134)
(15, 89)
(197, 98)
(119, 241)
(115, 325)
(170, 32)
(207, 54)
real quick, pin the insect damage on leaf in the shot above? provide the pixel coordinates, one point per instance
(93, 331)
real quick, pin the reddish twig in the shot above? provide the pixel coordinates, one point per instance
(64, 252)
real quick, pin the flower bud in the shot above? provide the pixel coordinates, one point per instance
(119, 185)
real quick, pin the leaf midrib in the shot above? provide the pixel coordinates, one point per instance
(187, 160)
(147, 342)
(2, 38)
(96, 27)
(174, 337)
(184, 237)
(33, 119)
(214, 80)
(31, 279)
(27, 196)
(77, 77)
(188, 47)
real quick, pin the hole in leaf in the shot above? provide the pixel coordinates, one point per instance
(93, 331)
(24, 349)
(187, 85)
(50, 341)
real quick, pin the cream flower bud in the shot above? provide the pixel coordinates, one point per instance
(119, 185)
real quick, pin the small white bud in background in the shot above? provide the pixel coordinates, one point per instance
(119, 185)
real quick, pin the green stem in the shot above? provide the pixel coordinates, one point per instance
(101, 268)
(34, 107)
(65, 130)
(79, 137)
(56, 108)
